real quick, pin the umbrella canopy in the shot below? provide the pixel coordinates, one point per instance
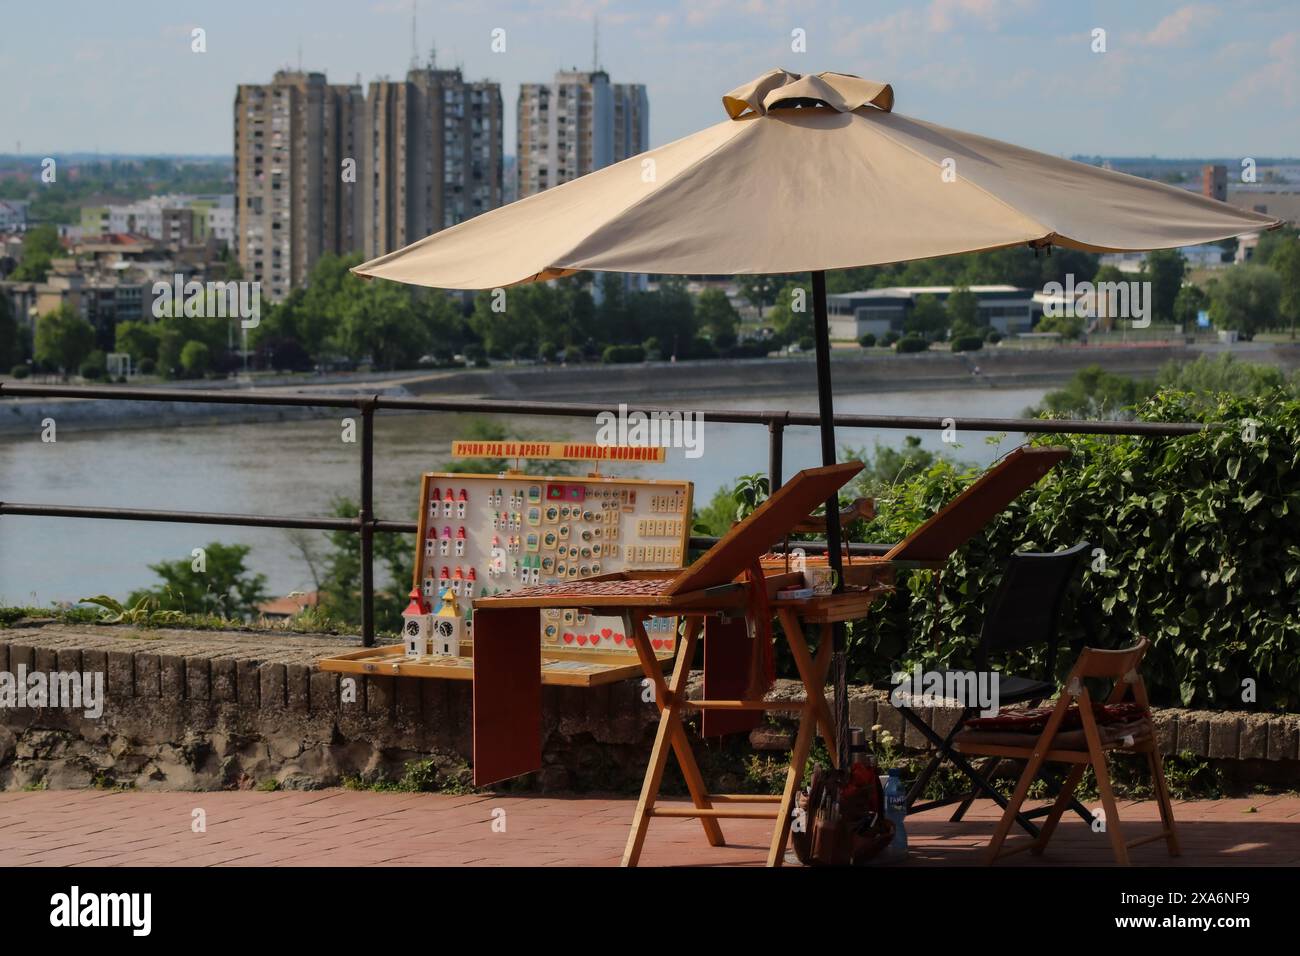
(810, 173)
(841, 181)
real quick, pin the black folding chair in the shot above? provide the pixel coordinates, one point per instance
(1024, 612)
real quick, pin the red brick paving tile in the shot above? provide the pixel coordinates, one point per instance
(340, 827)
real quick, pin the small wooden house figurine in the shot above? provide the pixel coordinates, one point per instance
(417, 626)
(448, 626)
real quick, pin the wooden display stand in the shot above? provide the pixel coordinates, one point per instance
(488, 534)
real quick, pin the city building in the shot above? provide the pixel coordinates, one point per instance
(578, 123)
(1214, 182)
(879, 311)
(433, 156)
(13, 215)
(297, 197)
(173, 220)
(1208, 256)
(1273, 199)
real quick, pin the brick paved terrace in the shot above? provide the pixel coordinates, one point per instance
(337, 827)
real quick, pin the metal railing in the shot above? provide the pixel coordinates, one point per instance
(366, 524)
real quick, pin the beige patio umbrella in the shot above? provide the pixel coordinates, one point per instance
(809, 173)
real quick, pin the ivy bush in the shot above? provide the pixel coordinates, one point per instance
(1199, 540)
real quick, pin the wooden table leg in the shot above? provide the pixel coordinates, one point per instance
(814, 683)
(799, 754)
(669, 733)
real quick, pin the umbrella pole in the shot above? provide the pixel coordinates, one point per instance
(826, 411)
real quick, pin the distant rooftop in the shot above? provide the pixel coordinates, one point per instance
(892, 292)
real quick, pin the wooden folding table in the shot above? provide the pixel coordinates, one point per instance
(507, 687)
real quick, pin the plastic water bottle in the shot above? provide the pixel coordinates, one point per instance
(896, 811)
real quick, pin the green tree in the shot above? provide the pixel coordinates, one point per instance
(761, 290)
(1210, 377)
(40, 245)
(1165, 269)
(614, 313)
(1069, 326)
(340, 582)
(791, 316)
(219, 582)
(380, 323)
(1191, 301)
(963, 310)
(928, 318)
(170, 342)
(196, 358)
(138, 339)
(1272, 242)
(1285, 261)
(1094, 392)
(668, 314)
(11, 336)
(1245, 298)
(718, 317)
(63, 339)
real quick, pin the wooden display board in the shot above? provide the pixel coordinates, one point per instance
(485, 535)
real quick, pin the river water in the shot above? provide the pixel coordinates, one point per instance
(299, 467)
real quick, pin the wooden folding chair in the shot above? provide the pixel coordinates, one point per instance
(1056, 746)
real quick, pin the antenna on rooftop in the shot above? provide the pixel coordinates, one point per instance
(299, 54)
(595, 42)
(415, 56)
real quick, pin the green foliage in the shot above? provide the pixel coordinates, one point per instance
(340, 582)
(1164, 270)
(1069, 326)
(791, 316)
(63, 339)
(40, 245)
(760, 291)
(1284, 258)
(94, 367)
(968, 343)
(623, 354)
(1019, 266)
(1210, 376)
(928, 318)
(196, 358)
(963, 311)
(1188, 304)
(717, 317)
(12, 345)
(911, 343)
(144, 611)
(885, 466)
(218, 583)
(1094, 392)
(1246, 298)
(138, 339)
(867, 341)
(1201, 541)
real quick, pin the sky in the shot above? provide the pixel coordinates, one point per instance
(1174, 79)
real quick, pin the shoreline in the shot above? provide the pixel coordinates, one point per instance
(761, 380)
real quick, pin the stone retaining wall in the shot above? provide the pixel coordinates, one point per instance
(196, 710)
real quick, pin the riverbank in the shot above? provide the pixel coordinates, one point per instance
(760, 380)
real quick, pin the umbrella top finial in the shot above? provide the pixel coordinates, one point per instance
(839, 91)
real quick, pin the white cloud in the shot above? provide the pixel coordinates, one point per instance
(1178, 27)
(1278, 79)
